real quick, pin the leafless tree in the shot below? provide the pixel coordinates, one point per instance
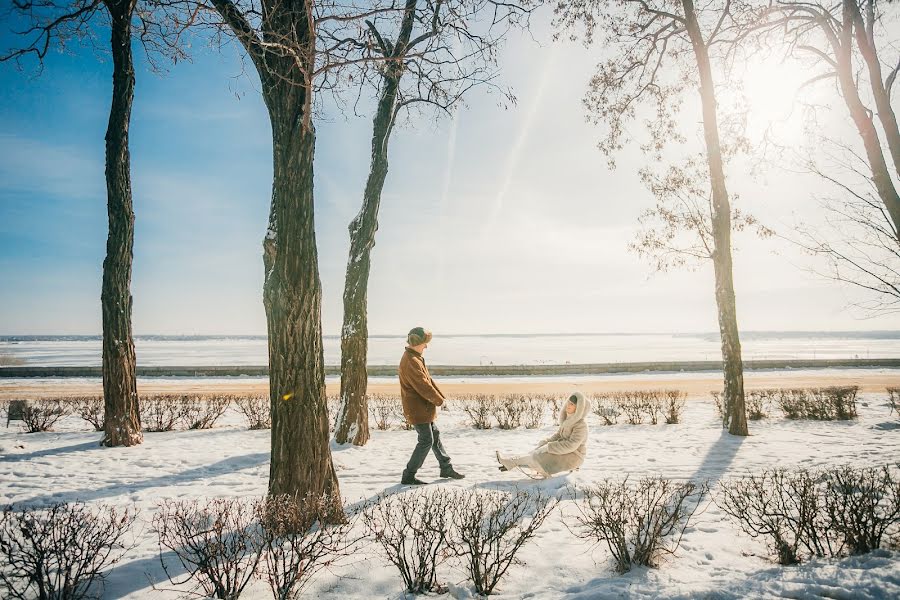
(431, 57)
(659, 50)
(857, 243)
(45, 25)
(301, 50)
(825, 33)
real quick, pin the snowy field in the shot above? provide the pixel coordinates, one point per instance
(716, 560)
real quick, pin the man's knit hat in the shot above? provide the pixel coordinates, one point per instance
(417, 336)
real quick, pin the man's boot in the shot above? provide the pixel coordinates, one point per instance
(451, 473)
(412, 480)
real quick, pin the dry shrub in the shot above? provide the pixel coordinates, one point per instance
(43, 413)
(401, 417)
(89, 408)
(605, 406)
(382, 408)
(822, 513)
(863, 505)
(535, 409)
(479, 408)
(782, 507)
(639, 522)
(758, 402)
(298, 541)
(256, 410)
(509, 411)
(674, 405)
(894, 399)
(652, 403)
(218, 542)
(631, 405)
(413, 530)
(819, 404)
(719, 402)
(60, 552)
(490, 529)
(162, 412)
(202, 412)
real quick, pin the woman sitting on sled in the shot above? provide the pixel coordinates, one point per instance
(564, 450)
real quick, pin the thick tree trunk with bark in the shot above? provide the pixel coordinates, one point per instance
(881, 175)
(301, 457)
(122, 422)
(353, 415)
(865, 38)
(735, 416)
(301, 462)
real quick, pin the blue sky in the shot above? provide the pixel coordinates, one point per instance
(494, 221)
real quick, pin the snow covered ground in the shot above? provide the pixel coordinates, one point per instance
(715, 560)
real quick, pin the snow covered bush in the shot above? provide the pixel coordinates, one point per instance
(674, 405)
(202, 412)
(604, 406)
(382, 408)
(413, 530)
(640, 522)
(819, 404)
(479, 408)
(652, 402)
(758, 403)
(509, 411)
(783, 507)
(816, 513)
(862, 505)
(298, 542)
(43, 413)
(89, 408)
(630, 404)
(256, 410)
(60, 552)
(535, 407)
(161, 412)
(490, 528)
(840, 399)
(217, 541)
(894, 399)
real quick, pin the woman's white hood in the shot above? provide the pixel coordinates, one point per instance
(581, 410)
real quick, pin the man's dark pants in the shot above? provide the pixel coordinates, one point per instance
(429, 438)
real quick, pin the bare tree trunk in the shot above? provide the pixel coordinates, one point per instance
(881, 175)
(735, 415)
(122, 421)
(301, 462)
(865, 38)
(353, 415)
(301, 458)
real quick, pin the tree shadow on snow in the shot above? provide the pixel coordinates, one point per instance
(24, 456)
(223, 467)
(718, 458)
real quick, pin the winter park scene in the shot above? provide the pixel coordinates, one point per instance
(387, 299)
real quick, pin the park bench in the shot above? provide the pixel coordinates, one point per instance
(15, 411)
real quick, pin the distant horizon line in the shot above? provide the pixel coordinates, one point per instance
(887, 333)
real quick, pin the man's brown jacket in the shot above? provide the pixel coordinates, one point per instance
(418, 391)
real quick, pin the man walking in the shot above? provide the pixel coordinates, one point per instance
(421, 397)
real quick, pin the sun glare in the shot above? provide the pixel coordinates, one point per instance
(774, 93)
